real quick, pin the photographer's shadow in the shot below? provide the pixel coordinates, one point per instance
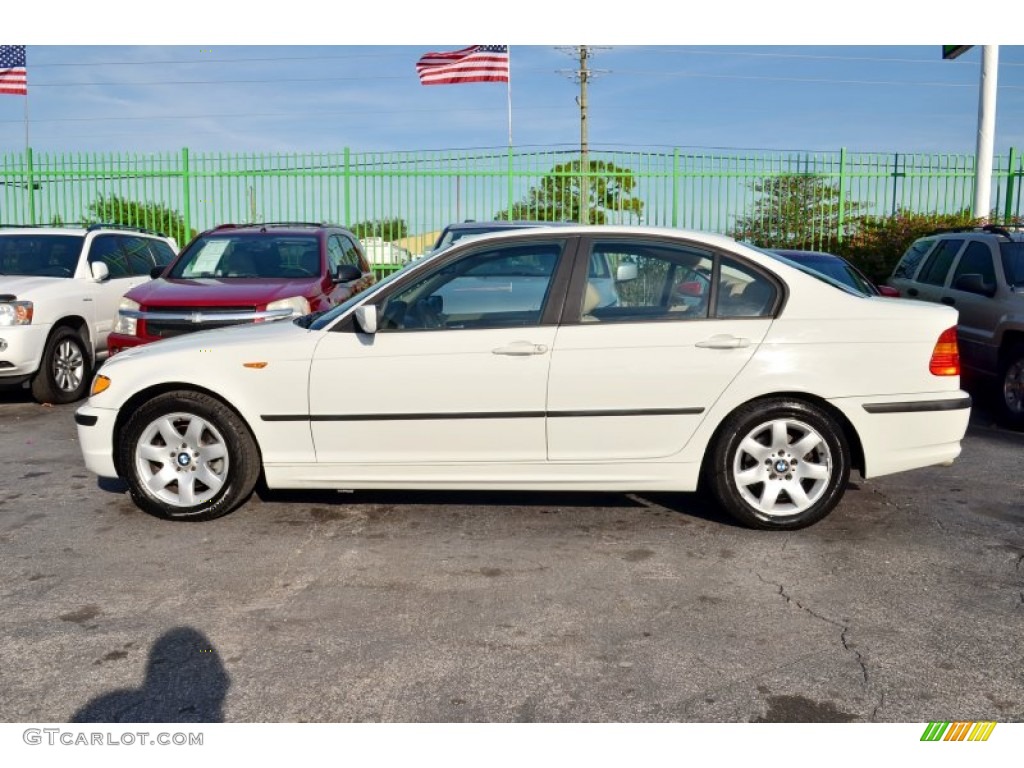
(185, 683)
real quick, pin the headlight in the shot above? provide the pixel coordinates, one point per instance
(126, 325)
(297, 304)
(16, 313)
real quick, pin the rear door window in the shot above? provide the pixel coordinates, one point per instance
(937, 267)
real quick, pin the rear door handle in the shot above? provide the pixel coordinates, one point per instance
(521, 349)
(724, 341)
(949, 301)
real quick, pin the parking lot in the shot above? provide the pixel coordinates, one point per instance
(904, 605)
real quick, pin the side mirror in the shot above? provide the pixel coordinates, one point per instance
(973, 283)
(155, 272)
(100, 271)
(626, 272)
(888, 290)
(366, 318)
(347, 273)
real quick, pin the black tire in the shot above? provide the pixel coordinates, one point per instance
(65, 369)
(1009, 391)
(757, 477)
(187, 456)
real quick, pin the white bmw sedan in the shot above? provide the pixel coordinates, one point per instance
(504, 364)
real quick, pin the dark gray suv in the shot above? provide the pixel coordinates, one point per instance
(980, 272)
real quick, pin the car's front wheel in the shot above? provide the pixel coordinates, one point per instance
(187, 456)
(63, 375)
(779, 464)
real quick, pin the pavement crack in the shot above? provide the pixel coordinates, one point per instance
(843, 628)
(878, 706)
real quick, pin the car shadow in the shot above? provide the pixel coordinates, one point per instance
(692, 505)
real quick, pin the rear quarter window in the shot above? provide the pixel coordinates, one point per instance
(912, 258)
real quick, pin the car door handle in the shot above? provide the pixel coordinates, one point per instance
(911, 291)
(949, 301)
(724, 341)
(521, 349)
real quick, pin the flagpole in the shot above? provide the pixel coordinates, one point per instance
(509, 92)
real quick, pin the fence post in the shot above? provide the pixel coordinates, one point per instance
(842, 194)
(186, 196)
(31, 185)
(510, 190)
(675, 187)
(1008, 210)
(347, 179)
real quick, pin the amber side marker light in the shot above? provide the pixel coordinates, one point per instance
(100, 384)
(254, 365)
(946, 355)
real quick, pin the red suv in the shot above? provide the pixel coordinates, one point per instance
(237, 274)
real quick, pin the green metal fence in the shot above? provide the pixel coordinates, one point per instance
(708, 191)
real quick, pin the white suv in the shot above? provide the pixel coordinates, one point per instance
(59, 293)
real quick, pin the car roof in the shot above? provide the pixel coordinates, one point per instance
(610, 230)
(277, 227)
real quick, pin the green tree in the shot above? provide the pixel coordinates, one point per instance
(795, 211)
(388, 229)
(611, 189)
(878, 242)
(132, 213)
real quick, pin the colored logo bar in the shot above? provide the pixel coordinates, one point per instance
(958, 731)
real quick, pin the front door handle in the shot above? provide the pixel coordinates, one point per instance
(521, 349)
(949, 301)
(724, 341)
(912, 292)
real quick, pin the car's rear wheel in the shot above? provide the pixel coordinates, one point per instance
(63, 375)
(1010, 392)
(187, 456)
(779, 464)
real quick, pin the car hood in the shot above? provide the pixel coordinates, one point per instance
(214, 292)
(278, 338)
(25, 288)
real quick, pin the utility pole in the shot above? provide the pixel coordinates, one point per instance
(583, 73)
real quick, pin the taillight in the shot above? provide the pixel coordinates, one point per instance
(946, 355)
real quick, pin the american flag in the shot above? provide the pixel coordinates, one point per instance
(476, 64)
(13, 78)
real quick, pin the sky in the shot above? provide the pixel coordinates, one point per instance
(779, 76)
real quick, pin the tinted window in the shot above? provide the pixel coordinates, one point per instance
(977, 260)
(335, 253)
(908, 264)
(107, 249)
(140, 259)
(937, 267)
(351, 253)
(506, 287)
(629, 281)
(163, 254)
(1012, 255)
(40, 255)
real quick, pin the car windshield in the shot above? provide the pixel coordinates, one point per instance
(843, 281)
(1013, 262)
(40, 255)
(258, 255)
